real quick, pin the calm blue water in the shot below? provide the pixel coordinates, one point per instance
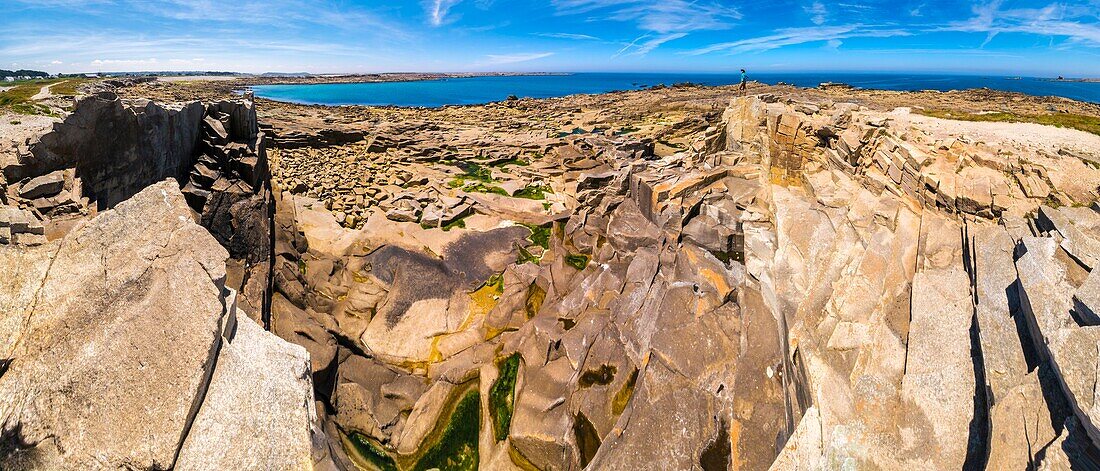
(477, 90)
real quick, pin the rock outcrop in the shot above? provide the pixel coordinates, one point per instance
(797, 285)
(788, 283)
(123, 345)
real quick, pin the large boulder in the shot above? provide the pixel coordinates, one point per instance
(258, 409)
(117, 341)
(112, 335)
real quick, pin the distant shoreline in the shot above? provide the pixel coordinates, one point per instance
(250, 80)
(1073, 80)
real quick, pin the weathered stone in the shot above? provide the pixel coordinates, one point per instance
(268, 379)
(46, 185)
(100, 380)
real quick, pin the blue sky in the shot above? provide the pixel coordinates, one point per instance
(1013, 37)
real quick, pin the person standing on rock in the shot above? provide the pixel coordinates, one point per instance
(744, 83)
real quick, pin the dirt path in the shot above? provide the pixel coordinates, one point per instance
(45, 92)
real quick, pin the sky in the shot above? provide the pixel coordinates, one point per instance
(1009, 37)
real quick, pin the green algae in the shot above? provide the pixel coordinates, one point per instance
(495, 283)
(525, 256)
(502, 396)
(454, 440)
(540, 235)
(622, 398)
(373, 455)
(534, 192)
(578, 261)
(457, 448)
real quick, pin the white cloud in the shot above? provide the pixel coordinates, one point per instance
(498, 59)
(568, 36)
(56, 62)
(818, 12)
(640, 49)
(658, 16)
(662, 20)
(438, 9)
(792, 36)
(1077, 23)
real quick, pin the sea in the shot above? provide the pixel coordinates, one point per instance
(486, 89)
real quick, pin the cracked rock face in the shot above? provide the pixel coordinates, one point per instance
(793, 287)
(114, 347)
(788, 283)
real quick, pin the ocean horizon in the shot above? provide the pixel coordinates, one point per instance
(487, 89)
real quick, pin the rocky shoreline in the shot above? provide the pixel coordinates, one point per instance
(658, 279)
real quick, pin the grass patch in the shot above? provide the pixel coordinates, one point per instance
(502, 396)
(578, 261)
(534, 192)
(457, 448)
(18, 99)
(1088, 124)
(69, 88)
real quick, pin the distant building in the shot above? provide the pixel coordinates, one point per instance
(91, 75)
(9, 79)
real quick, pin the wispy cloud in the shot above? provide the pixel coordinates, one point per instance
(582, 37)
(438, 10)
(659, 16)
(792, 36)
(498, 59)
(1077, 23)
(661, 20)
(818, 12)
(638, 47)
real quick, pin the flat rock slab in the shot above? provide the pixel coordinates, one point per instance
(938, 388)
(119, 339)
(258, 409)
(46, 185)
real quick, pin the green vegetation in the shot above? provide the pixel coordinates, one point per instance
(525, 256)
(516, 161)
(502, 396)
(372, 454)
(534, 192)
(1089, 124)
(540, 235)
(452, 444)
(476, 179)
(495, 283)
(457, 447)
(18, 98)
(578, 261)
